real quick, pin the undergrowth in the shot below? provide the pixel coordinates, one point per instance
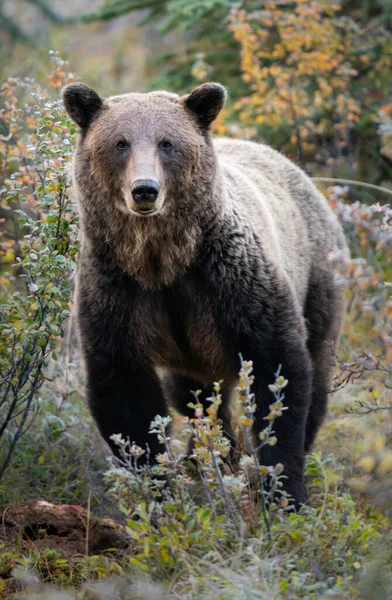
(204, 531)
(202, 528)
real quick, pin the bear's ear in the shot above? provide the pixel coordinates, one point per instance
(81, 103)
(205, 102)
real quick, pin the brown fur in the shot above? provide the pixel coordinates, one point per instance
(233, 260)
(137, 243)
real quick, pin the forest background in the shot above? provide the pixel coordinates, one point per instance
(313, 79)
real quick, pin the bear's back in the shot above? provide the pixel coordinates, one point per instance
(297, 226)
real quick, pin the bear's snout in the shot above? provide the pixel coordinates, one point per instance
(145, 192)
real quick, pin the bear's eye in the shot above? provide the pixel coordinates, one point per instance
(165, 145)
(122, 145)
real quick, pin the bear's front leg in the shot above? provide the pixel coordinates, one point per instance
(123, 390)
(124, 398)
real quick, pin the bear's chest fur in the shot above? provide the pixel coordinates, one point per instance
(176, 328)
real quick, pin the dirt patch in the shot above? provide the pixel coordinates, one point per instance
(67, 528)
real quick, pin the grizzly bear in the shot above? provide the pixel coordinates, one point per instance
(195, 251)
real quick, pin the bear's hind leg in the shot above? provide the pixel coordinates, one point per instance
(324, 314)
(322, 359)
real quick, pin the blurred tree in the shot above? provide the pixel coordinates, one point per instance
(210, 51)
(14, 30)
(365, 9)
(317, 80)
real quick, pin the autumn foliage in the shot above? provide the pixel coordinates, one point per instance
(305, 64)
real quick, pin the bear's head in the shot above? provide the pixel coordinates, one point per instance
(143, 151)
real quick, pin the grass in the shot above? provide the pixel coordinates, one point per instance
(340, 547)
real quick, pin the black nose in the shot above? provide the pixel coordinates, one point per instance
(145, 191)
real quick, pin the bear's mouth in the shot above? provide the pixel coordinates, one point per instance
(144, 212)
(140, 211)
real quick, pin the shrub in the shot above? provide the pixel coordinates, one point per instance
(38, 246)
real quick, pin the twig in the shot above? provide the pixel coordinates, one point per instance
(88, 520)
(371, 186)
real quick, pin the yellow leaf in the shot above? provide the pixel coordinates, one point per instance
(245, 421)
(367, 463)
(385, 464)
